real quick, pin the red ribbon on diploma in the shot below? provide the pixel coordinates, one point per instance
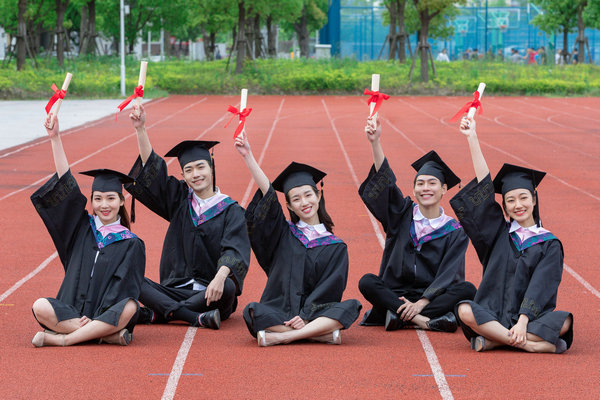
(475, 104)
(137, 92)
(243, 114)
(376, 98)
(58, 94)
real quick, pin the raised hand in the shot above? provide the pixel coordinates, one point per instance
(467, 126)
(54, 130)
(241, 144)
(373, 129)
(138, 116)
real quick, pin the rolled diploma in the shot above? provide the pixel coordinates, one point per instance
(142, 79)
(472, 110)
(65, 86)
(374, 88)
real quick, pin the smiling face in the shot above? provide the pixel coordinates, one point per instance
(198, 175)
(429, 190)
(518, 205)
(304, 202)
(106, 206)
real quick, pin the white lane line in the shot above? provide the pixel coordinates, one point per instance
(571, 271)
(262, 153)
(585, 283)
(101, 150)
(177, 369)
(28, 276)
(436, 368)
(71, 131)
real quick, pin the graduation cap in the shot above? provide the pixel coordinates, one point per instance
(192, 150)
(512, 177)
(107, 180)
(432, 164)
(297, 174)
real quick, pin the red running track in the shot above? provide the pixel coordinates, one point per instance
(560, 136)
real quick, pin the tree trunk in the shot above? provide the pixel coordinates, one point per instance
(257, 37)
(423, 46)
(241, 38)
(249, 35)
(565, 52)
(206, 44)
(391, 37)
(83, 30)
(61, 8)
(21, 35)
(401, 7)
(301, 28)
(581, 31)
(271, 37)
(91, 45)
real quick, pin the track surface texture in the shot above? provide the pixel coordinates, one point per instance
(560, 136)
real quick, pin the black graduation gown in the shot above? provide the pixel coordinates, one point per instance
(517, 278)
(425, 272)
(192, 249)
(118, 270)
(305, 278)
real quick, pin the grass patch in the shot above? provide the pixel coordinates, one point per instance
(99, 77)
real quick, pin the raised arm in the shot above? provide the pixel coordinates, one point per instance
(243, 147)
(373, 132)
(60, 158)
(138, 119)
(467, 128)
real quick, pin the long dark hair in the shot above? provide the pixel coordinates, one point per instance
(536, 209)
(322, 213)
(123, 214)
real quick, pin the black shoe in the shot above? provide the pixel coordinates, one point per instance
(393, 321)
(210, 319)
(145, 316)
(445, 323)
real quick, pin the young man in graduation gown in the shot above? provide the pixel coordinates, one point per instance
(206, 251)
(421, 277)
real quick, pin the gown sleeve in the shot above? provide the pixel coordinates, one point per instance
(266, 225)
(61, 205)
(330, 285)
(154, 188)
(235, 246)
(383, 198)
(452, 265)
(544, 282)
(480, 216)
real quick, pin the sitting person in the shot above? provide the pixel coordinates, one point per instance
(422, 272)
(306, 265)
(522, 262)
(104, 262)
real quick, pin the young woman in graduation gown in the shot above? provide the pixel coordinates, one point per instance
(104, 262)
(206, 250)
(306, 265)
(522, 262)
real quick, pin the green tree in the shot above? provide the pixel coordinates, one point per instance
(558, 15)
(312, 17)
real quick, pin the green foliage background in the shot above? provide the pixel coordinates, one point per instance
(100, 77)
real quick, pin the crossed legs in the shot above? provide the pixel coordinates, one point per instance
(77, 330)
(497, 335)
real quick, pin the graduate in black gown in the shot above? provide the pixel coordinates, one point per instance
(206, 251)
(104, 262)
(422, 272)
(306, 265)
(522, 262)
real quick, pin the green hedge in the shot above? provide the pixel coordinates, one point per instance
(100, 77)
